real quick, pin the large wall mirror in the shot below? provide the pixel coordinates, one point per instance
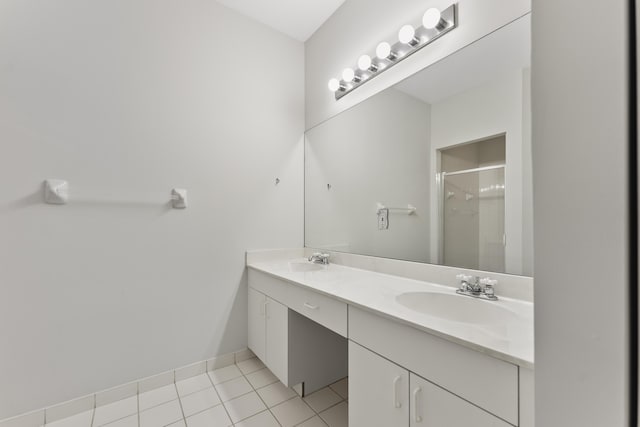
(435, 169)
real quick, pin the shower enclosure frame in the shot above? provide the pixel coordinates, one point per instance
(440, 176)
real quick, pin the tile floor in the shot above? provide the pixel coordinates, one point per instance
(244, 395)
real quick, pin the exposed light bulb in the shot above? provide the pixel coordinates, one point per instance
(407, 35)
(383, 51)
(334, 85)
(348, 75)
(433, 19)
(364, 62)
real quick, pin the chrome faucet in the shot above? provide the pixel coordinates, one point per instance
(474, 286)
(319, 258)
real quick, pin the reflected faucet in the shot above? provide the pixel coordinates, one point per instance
(319, 258)
(473, 286)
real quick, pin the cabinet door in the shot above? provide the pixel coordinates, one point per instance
(378, 390)
(432, 406)
(256, 334)
(277, 343)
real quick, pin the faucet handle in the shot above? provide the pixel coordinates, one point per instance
(465, 282)
(489, 284)
(488, 281)
(463, 277)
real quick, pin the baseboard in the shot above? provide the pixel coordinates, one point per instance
(72, 407)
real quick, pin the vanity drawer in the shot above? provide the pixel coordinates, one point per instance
(322, 309)
(270, 286)
(485, 381)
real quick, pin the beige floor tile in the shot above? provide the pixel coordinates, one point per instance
(161, 415)
(336, 416)
(158, 396)
(214, 417)
(323, 399)
(341, 387)
(234, 388)
(225, 374)
(116, 410)
(250, 365)
(244, 407)
(292, 412)
(199, 401)
(275, 393)
(193, 384)
(263, 419)
(313, 422)
(261, 378)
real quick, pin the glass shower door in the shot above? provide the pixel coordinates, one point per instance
(472, 218)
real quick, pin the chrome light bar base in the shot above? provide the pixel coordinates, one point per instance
(402, 51)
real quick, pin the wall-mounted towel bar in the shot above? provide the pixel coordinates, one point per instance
(56, 192)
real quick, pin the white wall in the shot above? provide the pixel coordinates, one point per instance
(378, 151)
(357, 27)
(127, 99)
(579, 92)
(488, 110)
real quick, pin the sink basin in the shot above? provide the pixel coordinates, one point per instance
(302, 266)
(456, 308)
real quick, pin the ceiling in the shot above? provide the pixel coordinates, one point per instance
(296, 18)
(500, 52)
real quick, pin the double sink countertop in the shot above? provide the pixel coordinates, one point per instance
(502, 329)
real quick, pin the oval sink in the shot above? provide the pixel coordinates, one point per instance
(456, 308)
(304, 266)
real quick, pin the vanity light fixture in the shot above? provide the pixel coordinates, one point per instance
(407, 35)
(335, 85)
(365, 64)
(434, 24)
(348, 75)
(432, 19)
(383, 51)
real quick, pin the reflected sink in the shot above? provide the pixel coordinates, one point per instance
(456, 308)
(302, 266)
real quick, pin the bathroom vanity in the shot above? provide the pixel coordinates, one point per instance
(417, 353)
(434, 171)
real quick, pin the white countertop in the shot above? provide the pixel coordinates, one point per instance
(510, 340)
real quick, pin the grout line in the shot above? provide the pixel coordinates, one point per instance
(218, 394)
(326, 409)
(138, 400)
(93, 414)
(253, 390)
(138, 381)
(114, 421)
(332, 406)
(180, 402)
(260, 397)
(159, 404)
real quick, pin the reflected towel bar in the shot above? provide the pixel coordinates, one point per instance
(409, 209)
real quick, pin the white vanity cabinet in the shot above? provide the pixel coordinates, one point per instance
(378, 390)
(432, 406)
(401, 374)
(465, 380)
(297, 333)
(383, 394)
(257, 333)
(268, 338)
